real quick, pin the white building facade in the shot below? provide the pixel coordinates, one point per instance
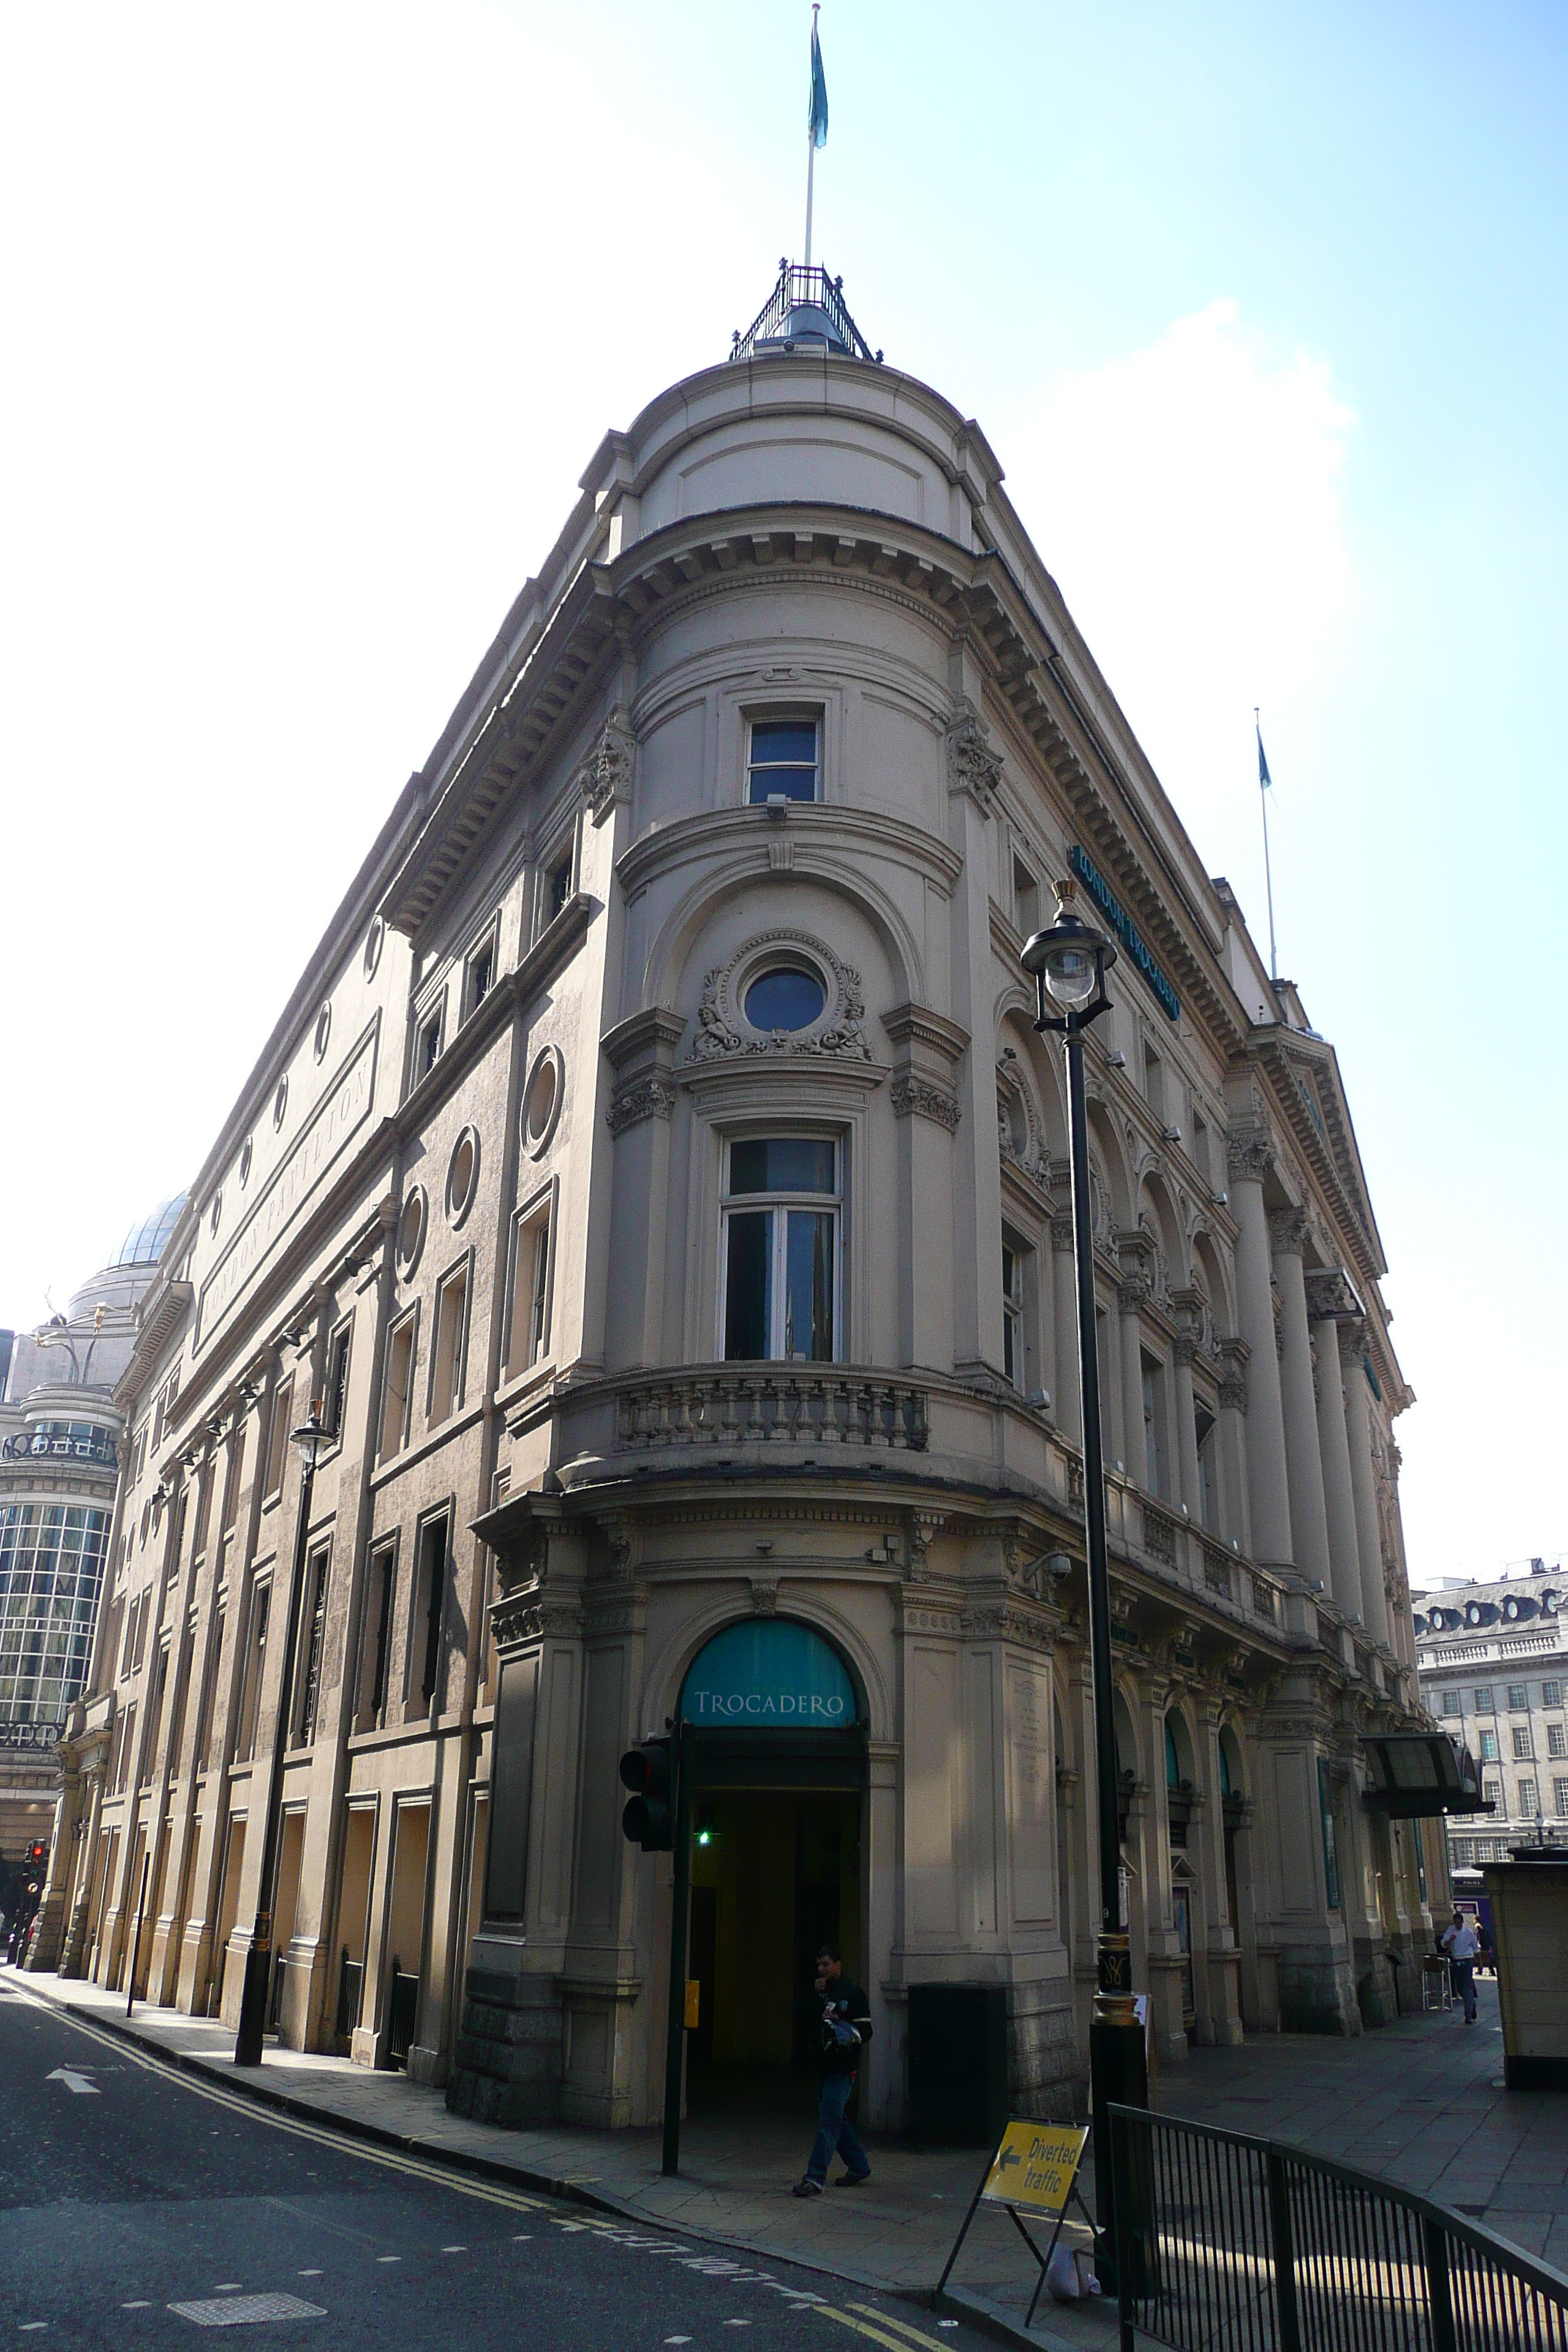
(657, 1175)
(1493, 1662)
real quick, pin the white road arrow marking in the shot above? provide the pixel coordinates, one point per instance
(72, 2080)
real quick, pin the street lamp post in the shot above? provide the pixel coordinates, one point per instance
(1069, 963)
(311, 1439)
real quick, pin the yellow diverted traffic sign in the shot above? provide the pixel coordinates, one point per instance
(1036, 2165)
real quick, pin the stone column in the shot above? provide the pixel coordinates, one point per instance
(1363, 1484)
(1130, 1304)
(1190, 1488)
(1236, 1516)
(1327, 1298)
(1309, 1515)
(1066, 1394)
(1250, 1158)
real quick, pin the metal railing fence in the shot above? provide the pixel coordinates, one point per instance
(1228, 2244)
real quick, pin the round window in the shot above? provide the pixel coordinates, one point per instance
(541, 1103)
(279, 1102)
(462, 1176)
(246, 1153)
(373, 939)
(215, 1217)
(411, 1230)
(324, 1030)
(785, 998)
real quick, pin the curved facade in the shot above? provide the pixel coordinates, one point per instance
(62, 1433)
(659, 1176)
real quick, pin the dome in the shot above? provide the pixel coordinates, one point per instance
(145, 1243)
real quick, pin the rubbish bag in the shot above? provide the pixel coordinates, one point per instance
(1069, 2274)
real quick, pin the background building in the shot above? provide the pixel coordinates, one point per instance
(59, 1437)
(1493, 1659)
(657, 1177)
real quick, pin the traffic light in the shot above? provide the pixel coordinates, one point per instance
(648, 1819)
(36, 1855)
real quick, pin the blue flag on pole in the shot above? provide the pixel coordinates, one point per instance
(1265, 782)
(816, 121)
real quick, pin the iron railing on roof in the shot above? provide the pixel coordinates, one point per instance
(802, 288)
(1226, 2243)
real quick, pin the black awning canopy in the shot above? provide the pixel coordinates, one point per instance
(1415, 1774)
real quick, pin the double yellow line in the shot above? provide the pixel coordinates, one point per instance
(896, 2342)
(893, 2335)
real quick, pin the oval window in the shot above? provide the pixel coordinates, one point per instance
(461, 1175)
(541, 1103)
(411, 1230)
(787, 998)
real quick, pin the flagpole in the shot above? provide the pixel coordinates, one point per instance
(810, 154)
(1267, 870)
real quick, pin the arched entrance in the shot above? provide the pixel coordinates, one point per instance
(775, 1730)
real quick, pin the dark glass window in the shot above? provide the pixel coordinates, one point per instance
(748, 1287)
(781, 1259)
(560, 886)
(783, 760)
(788, 1163)
(482, 972)
(787, 999)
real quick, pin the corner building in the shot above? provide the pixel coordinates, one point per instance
(657, 1175)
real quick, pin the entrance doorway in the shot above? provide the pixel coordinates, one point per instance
(776, 1872)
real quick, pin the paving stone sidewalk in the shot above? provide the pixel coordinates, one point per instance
(1420, 2101)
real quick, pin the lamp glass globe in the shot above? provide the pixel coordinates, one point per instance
(1071, 976)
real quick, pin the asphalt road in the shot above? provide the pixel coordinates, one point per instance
(142, 2209)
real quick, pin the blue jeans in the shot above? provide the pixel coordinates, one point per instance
(1463, 1973)
(834, 2130)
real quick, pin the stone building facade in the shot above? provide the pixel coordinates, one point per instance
(1493, 1662)
(60, 1436)
(657, 1176)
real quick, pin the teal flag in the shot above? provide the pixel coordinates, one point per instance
(817, 122)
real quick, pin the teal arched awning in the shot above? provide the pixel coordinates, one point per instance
(768, 1674)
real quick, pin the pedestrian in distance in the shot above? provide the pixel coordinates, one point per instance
(846, 2017)
(1462, 1943)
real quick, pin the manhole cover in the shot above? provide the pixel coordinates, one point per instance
(242, 2310)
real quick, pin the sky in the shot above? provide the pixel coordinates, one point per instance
(314, 315)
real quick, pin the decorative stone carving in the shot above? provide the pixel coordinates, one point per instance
(1008, 1622)
(1249, 1157)
(606, 775)
(1061, 1234)
(1289, 1231)
(924, 1525)
(1328, 1293)
(652, 1098)
(531, 1616)
(1353, 1343)
(764, 1592)
(972, 767)
(917, 1099)
(1018, 1123)
(722, 1030)
(1233, 1354)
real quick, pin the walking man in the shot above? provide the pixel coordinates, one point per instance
(845, 2030)
(1462, 1943)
